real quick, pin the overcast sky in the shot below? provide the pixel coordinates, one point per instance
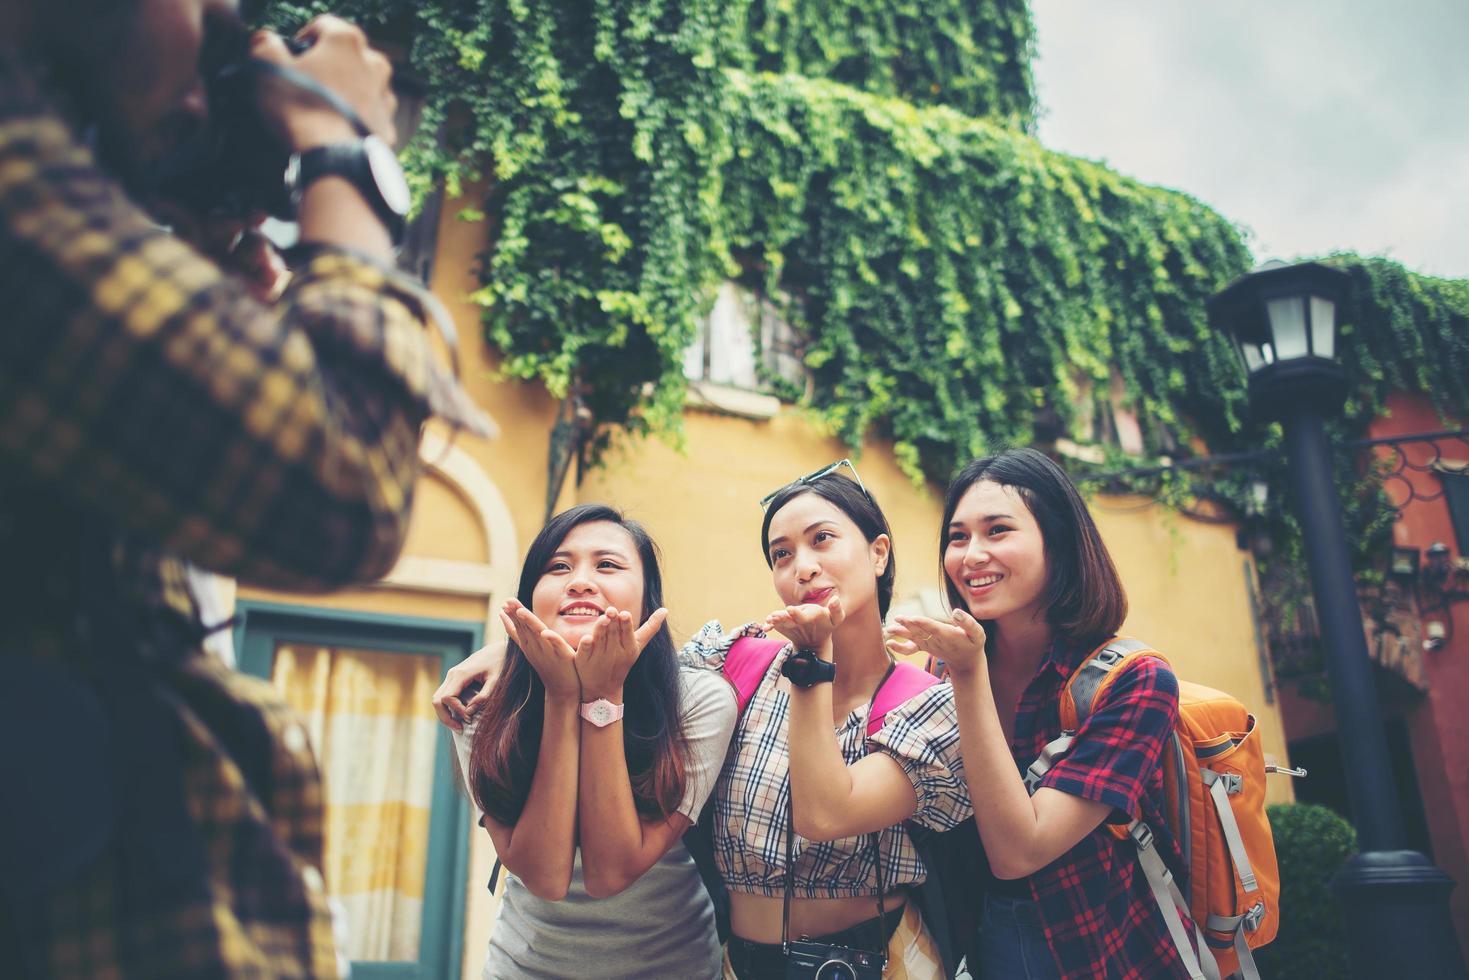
(1315, 124)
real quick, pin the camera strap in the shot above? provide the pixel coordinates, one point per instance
(872, 839)
(296, 79)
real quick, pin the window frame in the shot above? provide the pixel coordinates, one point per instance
(1456, 498)
(261, 626)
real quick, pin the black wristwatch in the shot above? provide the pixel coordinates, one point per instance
(804, 668)
(369, 164)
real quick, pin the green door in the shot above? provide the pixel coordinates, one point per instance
(396, 830)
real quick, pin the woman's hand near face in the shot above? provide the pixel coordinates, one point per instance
(959, 644)
(604, 658)
(809, 626)
(549, 654)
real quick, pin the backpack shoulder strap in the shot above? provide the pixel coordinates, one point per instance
(1082, 689)
(1094, 675)
(746, 662)
(907, 681)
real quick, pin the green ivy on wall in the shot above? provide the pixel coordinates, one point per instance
(973, 57)
(957, 280)
(957, 284)
(869, 167)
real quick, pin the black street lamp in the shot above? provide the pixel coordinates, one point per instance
(1394, 902)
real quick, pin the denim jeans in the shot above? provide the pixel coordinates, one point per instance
(1012, 945)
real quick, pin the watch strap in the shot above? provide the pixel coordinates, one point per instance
(804, 668)
(349, 161)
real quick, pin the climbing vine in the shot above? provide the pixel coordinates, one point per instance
(973, 57)
(867, 167)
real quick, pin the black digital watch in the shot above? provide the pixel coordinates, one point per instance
(804, 668)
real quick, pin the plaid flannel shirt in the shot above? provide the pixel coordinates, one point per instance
(162, 815)
(752, 797)
(1094, 903)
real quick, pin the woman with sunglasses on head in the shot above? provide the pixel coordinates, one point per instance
(804, 758)
(1034, 593)
(592, 754)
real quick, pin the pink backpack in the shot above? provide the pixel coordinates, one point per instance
(749, 659)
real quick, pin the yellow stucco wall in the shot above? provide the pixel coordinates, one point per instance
(1186, 579)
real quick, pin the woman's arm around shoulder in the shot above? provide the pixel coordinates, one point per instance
(481, 667)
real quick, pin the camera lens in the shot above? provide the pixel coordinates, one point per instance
(835, 970)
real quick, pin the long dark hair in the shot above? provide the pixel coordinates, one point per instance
(1083, 597)
(507, 738)
(857, 504)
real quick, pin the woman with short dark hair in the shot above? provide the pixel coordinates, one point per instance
(1034, 593)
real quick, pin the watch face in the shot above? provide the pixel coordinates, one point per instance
(798, 669)
(388, 175)
(601, 713)
(293, 176)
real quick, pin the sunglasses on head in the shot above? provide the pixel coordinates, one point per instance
(810, 478)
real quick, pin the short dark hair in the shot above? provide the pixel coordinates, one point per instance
(856, 503)
(507, 737)
(1084, 599)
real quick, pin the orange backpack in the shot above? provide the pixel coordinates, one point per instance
(1214, 784)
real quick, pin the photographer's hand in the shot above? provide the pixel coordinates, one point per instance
(340, 59)
(331, 210)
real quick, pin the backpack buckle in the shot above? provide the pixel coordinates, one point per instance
(1233, 782)
(1108, 656)
(1254, 916)
(1142, 835)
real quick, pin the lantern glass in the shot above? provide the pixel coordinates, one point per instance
(1288, 327)
(1254, 356)
(1323, 327)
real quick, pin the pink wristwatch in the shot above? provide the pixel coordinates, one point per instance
(601, 712)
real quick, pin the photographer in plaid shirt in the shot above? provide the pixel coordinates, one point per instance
(161, 816)
(1034, 592)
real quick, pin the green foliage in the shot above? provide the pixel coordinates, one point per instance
(972, 56)
(1404, 332)
(1312, 843)
(956, 279)
(956, 284)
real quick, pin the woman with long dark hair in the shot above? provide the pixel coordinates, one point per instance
(813, 801)
(592, 754)
(1034, 593)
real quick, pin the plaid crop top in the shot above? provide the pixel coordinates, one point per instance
(753, 793)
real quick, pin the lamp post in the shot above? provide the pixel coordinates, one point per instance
(1394, 902)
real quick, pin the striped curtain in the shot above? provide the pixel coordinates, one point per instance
(372, 724)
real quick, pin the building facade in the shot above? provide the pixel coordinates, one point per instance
(361, 664)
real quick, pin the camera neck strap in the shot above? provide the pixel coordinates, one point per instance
(872, 840)
(300, 80)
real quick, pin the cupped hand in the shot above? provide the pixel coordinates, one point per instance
(959, 643)
(809, 626)
(341, 60)
(604, 659)
(552, 658)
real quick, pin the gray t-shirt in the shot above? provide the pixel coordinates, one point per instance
(662, 925)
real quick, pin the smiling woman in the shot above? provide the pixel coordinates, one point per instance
(593, 754)
(1034, 592)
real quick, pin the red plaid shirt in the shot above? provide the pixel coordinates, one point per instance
(1094, 902)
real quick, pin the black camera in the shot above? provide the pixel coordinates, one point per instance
(234, 166)
(806, 960)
